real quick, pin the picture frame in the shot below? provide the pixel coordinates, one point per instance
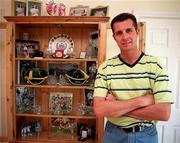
(79, 11)
(34, 8)
(60, 103)
(82, 55)
(19, 8)
(99, 11)
(25, 99)
(26, 48)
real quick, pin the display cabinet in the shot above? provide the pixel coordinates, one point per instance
(48, 105)
(6, 116)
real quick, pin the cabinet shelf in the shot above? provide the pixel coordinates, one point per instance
(56, 116)
(51, 137)
(56, 86)
(57, 19)
(56, 60)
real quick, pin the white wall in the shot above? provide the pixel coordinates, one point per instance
(5, 8)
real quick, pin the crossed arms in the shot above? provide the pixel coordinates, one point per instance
(142, 107)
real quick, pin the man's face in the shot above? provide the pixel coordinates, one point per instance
(125, 35)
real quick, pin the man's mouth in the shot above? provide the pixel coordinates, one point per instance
(126, 43)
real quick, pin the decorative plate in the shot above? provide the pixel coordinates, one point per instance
(61, 42)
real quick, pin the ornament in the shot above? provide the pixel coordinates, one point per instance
(61, 9)
(51, 7)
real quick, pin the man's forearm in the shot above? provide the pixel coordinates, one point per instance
(116, 108)
(159, 112)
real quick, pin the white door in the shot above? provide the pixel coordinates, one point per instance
(163, 40)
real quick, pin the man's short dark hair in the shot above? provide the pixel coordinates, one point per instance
(124, 16)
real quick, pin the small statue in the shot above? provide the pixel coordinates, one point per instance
(61, 9)
(51, 7)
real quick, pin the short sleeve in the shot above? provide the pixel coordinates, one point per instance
(161, 89)
(101, 86)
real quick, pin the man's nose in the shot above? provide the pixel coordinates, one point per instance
(124, 35)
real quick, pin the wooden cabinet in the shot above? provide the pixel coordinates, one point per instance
(42, 29)
(6, 116)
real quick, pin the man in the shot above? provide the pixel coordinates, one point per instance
(131, 89)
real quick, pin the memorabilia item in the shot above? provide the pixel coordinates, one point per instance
(60, 103)
(25, 99)
(34, 7)
(36, 76)
(73, 128)
(89, 97)
(26, 48)
(93, 45)
(99, 11)
(51, 7)
(38, 54)
(85, 131)
(59, 53)
(38, 128)
(79, 11)
(84, 109)
(37, 109)
(92, 70)
(24, 67)
(61, 42)
(81, 109)
(61, 9)
(57, 72)
(19, 8)
(29, 128)
(25, 36)
(61, 125)
(82, 55)
(77, 76)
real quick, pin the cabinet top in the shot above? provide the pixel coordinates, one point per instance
(56, 19)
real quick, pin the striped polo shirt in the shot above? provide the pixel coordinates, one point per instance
(124, 81)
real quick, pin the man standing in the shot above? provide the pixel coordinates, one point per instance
(131, 89)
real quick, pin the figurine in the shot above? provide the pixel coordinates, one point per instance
(51, 7)
(61, 9)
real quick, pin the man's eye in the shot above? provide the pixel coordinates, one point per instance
(118, 33)
(129, 30)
